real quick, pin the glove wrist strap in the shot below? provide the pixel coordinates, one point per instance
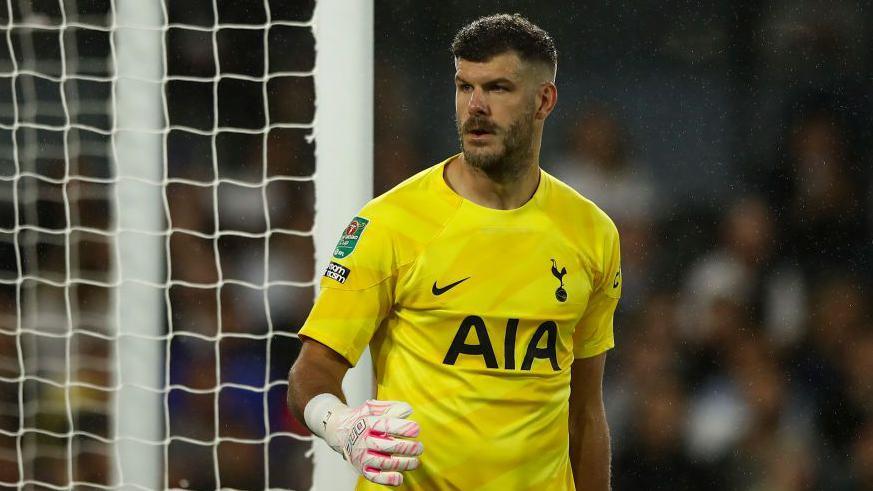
(318, 411)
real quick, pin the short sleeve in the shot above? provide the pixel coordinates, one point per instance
(594, 332)
(356, 290)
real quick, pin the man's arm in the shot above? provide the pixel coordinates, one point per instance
(375, 437)
(318, 370)
(589, 432)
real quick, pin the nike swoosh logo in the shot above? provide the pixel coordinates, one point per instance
(439, 291)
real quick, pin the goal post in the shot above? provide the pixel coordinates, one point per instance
(141, 271)
(344, 169)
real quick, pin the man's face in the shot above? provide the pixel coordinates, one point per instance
(495, 103)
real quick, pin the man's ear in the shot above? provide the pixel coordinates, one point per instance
(547, 97)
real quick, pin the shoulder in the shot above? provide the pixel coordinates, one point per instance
(413, 212)
(591, 231)
(411, 192)
(422, 196)
(580, 218)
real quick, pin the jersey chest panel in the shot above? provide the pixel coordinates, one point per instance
(493, 297)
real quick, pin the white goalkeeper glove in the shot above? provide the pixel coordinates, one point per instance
(373, 437)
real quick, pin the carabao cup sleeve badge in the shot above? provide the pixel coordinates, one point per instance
(350, 237)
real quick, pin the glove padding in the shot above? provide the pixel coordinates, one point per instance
(373, 438)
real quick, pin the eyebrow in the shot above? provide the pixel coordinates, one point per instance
(501, 80)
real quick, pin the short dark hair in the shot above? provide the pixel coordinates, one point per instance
(487, 37)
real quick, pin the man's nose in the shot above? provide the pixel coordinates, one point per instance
(477, 104)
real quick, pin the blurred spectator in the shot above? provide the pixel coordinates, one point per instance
(818, 194)
(819, 364)
(717, 416)
(653, 456)
(651, 351)
(744, 269)
(858, 367)
(773, 452)
(859, 475)
(813, 39)
(599, 166)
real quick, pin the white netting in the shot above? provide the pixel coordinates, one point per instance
(237, 206)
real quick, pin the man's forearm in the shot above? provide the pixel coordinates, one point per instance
(313, 373)
(303, 387)
(590, 452)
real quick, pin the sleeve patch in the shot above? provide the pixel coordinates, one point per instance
(350, 237)
(614, 288)
(337, 272)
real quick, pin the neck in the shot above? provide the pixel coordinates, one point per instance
(504, 192)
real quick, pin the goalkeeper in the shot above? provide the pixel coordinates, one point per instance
(485, 289)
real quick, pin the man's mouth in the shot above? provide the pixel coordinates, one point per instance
(478, 127)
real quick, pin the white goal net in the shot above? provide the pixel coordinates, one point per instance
(156, 241)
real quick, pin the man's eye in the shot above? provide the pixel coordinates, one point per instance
(498, 88)
(465, 87)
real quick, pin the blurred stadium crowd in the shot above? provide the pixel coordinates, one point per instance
(744, 339)
(749, 368)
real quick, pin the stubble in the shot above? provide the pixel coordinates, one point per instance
(517, 148)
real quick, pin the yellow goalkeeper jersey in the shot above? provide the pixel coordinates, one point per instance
(474, 317)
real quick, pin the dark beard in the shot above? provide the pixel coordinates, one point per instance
(517, 148)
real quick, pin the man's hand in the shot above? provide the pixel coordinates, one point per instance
(374, 438)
